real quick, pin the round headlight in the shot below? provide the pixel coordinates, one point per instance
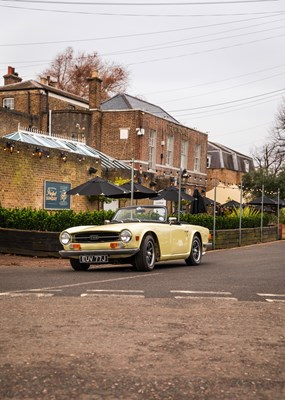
(65, 238)
(125, 236)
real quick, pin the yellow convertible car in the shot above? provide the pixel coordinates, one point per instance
(137, 235)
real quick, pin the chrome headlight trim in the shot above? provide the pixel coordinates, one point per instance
(125, 236)
(65, 238)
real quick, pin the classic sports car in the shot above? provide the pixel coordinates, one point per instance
(137, 235)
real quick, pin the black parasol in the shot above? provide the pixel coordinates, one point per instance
(140, 191)
(98, 186)
(172, 194)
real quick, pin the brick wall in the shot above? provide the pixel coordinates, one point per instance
(137, 147)
(35, 104)
(222, 175)
(10, 119)
(22, 176)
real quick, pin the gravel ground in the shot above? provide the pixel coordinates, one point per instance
(142, 349)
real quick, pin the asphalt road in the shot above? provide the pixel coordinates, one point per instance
(253, 273)
(212, 332)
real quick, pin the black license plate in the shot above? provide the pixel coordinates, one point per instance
(94, 259)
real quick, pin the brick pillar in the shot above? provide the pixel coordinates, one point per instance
(94, 91)
(95, 135)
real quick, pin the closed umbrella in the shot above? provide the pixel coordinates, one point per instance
(172, 194)
(98, 187)
(198, 204)
(140, 191)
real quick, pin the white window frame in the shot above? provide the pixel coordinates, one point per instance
(9, 102)
(152, 149)
(169, 150)
(197, 159)
(184, 154)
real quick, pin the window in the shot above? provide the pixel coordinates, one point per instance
(209, 161)
(8, 103)
(152, 149)
(124, 133)
(197, 160)
(184, 154)
(169, 154)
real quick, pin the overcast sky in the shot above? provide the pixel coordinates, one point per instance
(217, 66)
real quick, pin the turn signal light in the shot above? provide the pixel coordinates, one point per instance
(117, 245)
(75, 246)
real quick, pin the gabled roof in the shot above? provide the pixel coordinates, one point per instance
(32, 85)
(66, 145)
(224, 157)
(127, 102)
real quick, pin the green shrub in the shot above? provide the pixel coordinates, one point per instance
(226, 221)
(56, 221)
(51, 221)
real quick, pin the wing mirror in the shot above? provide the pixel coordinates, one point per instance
(172, 220)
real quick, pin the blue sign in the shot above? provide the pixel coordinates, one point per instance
(55, 197)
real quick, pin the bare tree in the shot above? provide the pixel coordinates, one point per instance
(71, 72)
(279, 129)
(271, 157)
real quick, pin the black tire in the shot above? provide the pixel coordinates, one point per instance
(145, 259)
(77, 266)
(196, 252)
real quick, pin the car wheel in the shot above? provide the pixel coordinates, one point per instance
(78, 266)
(196, 252)
(145, 259)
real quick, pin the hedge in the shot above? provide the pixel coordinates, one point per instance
(56, 221)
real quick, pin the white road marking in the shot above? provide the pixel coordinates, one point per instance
(272, 300)
(115, 291)
(82, 283)
(275, 301)
(205, 298)
(31, 294)
(199, 292)
(111, 295)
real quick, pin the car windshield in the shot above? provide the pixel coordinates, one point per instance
(141, 213)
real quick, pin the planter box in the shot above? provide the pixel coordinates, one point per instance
(228, 238)
(30, 243)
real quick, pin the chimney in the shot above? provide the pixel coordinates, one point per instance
(11, 77)
(94, 91)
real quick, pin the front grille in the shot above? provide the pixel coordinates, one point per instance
(96, 237)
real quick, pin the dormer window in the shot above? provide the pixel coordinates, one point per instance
(209, 161)
(246, 165)
(8, 102)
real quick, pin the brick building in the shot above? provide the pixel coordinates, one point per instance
(124, 127)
